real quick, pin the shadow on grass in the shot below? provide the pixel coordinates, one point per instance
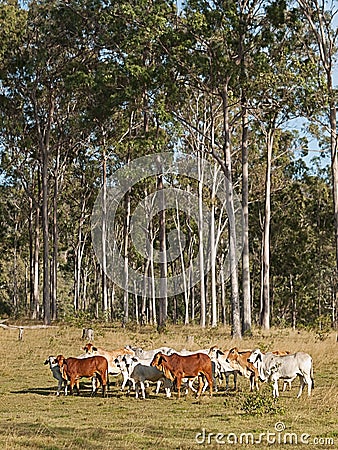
(85, 391)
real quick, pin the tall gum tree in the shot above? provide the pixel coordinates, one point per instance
(321, 17)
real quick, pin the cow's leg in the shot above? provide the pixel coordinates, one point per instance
(167, 386)
(256, 383)
(125, 380)
(167, 392)
(252, 382)
(227, 376)
(71, 385)
(275, 388)
(200, 385)
(210, 382)
(143, 390)
(59, 386)
(104, 389)
(206, 384)
(66, 386)
(308, 381)
(235, 380)
(93, 385)
(136, 389)
(158, 385)
(77, 384)
(302, 384)
(178, 385)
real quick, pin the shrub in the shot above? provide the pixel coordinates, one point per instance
(261, 403)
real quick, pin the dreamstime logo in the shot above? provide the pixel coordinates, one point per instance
(182, 175)
(279, 436)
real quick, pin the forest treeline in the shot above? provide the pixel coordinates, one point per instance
(86, 86)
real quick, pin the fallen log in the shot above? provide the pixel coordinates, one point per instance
(21, 328)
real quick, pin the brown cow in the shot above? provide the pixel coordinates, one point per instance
(176, 367)
(239, 361)
(75, 368)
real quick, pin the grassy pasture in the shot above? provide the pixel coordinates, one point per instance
(31, 416)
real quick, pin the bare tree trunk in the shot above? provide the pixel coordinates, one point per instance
(213, 251)
(54, 270)
(224, 321)
(245, 208)
(201, 243)
(104, 234)
(36, 270)
(163, 300)
(265, 287)
(324, 29)
(126, 256)
(34, 226)
(235, 304)
(185, 286)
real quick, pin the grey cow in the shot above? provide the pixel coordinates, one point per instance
(55, 369)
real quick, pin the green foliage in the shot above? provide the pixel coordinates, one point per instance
(261, 403)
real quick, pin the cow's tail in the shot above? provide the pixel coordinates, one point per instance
(312, 379)
(107, 377)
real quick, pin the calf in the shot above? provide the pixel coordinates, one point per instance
(176, 367)
(76, 368)
(288, 367)
(55, 369)
(239, 361)
(138, 372)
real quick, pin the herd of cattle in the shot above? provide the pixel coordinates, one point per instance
(176, 369)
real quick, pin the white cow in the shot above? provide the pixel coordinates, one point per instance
(287, 367)
(139, 372)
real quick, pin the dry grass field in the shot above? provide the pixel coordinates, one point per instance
(32, 416)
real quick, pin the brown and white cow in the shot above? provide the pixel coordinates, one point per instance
(176, 367)
(239, 361)
(73, 369)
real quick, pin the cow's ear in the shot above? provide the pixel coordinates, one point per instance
(219, 353)
(163, 358)
(95, 349)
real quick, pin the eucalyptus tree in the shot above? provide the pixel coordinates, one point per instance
(41, 93)
(131, 37)
(210, 67)
(285, 78)
(321, 48)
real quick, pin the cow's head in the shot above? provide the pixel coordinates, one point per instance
(89, 348)
(232, 355)
(160, 361)
(61, 360)
(255, 356)
(51, 361)
(157, 360)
